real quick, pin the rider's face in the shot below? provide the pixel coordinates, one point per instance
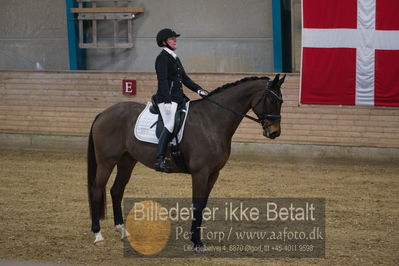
(172, 42)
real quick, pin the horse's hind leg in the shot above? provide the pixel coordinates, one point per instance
(98, 199)
(125, 167)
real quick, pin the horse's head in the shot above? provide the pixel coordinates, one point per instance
(268, 108)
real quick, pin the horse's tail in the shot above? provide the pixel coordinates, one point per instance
(91, 174)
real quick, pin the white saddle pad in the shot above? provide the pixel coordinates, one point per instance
(143, 130)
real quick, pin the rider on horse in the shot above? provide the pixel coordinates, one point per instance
(171, 75)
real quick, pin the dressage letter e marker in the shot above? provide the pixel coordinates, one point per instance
(129, 87)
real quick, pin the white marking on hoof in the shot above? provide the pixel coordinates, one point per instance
(122, 230)
(99, 239)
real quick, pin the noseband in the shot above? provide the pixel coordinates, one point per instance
(264, 116)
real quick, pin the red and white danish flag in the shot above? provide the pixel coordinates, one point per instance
(350, 52)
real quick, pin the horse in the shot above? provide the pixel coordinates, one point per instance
(206, 144)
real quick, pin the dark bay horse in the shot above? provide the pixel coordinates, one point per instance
(206, 144)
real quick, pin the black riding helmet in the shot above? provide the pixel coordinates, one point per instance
(164, 34)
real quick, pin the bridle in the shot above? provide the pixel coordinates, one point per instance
(264, 116)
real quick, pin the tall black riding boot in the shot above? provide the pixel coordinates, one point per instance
(160, 164)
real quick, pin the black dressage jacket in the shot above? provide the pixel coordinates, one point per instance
(171, 76)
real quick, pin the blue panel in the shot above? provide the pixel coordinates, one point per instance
(76, 55)
(277, 36)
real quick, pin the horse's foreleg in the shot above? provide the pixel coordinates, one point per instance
(201, 191)
(200, 198)
(211, 181)
(125, 167)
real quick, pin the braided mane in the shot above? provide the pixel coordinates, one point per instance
(229, 85)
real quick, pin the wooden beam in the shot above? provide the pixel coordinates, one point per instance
(108, 10)
(105, 16)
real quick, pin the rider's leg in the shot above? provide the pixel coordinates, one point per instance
(160, 164)
(169, 122)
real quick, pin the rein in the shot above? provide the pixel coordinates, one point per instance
(260, 120)
(257, 120)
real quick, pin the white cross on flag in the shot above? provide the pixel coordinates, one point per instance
(350, 52)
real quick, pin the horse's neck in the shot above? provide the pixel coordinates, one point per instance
(236, 98)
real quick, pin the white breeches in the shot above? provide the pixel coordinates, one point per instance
(168, 119)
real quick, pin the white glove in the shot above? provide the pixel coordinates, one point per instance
(168, 108)
(202, 92)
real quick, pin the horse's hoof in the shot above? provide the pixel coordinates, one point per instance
(125, 237)
(124, 233)
(99, 242)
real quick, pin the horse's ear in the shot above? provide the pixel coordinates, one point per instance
(276, 78)
(281, 81)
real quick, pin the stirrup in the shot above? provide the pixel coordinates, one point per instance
(161, 166)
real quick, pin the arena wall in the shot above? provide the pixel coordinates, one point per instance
(33, 35)
(64, 103)
(216, 36)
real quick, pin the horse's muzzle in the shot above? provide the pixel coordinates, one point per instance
(271, 131)
(274, 135)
